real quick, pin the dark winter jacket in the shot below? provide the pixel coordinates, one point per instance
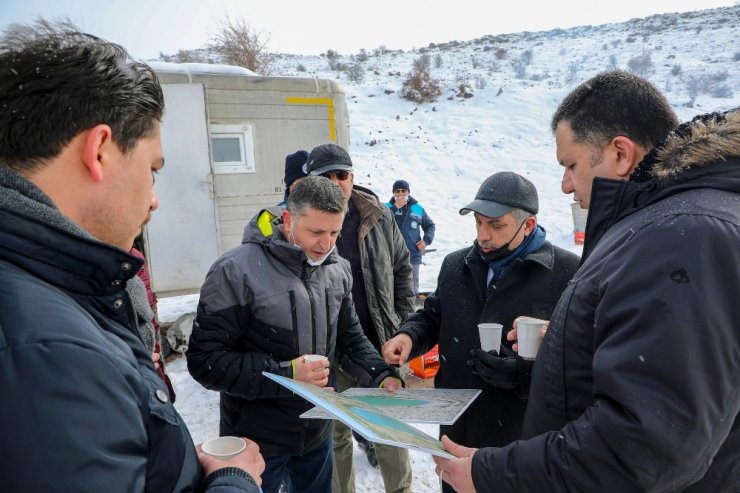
(529, 286)
(412, 218)
(83, 408)
(637, 383)
(260, 307)
(385, 265)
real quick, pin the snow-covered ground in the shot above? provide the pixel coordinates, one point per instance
(447, 148)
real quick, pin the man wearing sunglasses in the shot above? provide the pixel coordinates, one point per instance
(383, 294)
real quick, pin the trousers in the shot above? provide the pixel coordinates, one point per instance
(395, 467)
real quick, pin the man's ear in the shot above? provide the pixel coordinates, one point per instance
(627, 156)
(529, 225)
(97, 145)
(287, 221)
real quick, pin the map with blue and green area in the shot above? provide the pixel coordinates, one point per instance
(427, 405)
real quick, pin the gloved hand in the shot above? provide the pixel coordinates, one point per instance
(499, 371)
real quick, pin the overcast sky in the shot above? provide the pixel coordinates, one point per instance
(148, 27)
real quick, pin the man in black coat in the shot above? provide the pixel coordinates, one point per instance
(636, 383)
(510, 270)
(83, 407)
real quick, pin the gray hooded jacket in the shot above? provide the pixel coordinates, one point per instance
(260, 307)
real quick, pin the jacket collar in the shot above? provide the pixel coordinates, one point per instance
(702, 153)
(38, 238)
(266, 229)
(368, 207)
(478, 268)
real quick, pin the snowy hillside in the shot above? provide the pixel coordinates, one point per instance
(447, 148)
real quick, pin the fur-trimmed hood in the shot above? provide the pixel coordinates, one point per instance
(705, 139)
(702, 153)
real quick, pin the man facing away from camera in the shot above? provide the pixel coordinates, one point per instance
(636, 385)
(510, 270)
(283, 294)
(83, 407)
(382, 293)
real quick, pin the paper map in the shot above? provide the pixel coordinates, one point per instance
(372, 424)
(435, 406)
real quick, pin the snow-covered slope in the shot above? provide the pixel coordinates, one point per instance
(445, 149)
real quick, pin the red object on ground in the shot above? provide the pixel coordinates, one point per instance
(426, 365)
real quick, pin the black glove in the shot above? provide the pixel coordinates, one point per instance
(498, 371)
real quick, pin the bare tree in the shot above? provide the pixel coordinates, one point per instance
(239, 44)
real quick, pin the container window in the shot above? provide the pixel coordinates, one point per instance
(232, 149)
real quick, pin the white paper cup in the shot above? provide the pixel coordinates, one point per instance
(528, 337)
(579, 223)
(224, 447)
(314, 357)
(490, 336)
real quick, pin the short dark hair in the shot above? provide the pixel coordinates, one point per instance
(56, 81)
(318, 193)
(616, 103)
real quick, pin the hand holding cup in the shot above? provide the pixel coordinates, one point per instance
(528, 332)
(311, 368)
(240, 452)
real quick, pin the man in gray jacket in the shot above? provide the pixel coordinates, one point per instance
(383, 293)
(265, 305)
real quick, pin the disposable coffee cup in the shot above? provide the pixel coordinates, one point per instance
(314, 357)
(490, 336)
(579, 222)
(528, 337)
(224, 448)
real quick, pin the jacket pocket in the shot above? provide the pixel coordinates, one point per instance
(166, 445)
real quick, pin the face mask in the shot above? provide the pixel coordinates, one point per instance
(499, 252)
(312, 263)
(315, 263)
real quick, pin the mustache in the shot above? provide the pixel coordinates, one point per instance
(486, 244)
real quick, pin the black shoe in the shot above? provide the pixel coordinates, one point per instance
(369, 450)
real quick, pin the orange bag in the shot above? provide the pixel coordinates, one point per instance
(426, 365)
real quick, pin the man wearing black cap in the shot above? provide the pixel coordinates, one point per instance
(412, 219)
(383, 295)
(295, 171)
(636, 383)
(510, 270)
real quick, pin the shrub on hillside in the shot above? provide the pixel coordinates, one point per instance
(642, 65)
(613, 63)
(420, 87)
(438, 60)
(527, 56)
(333, 58)
(423, 63)
(355, 72)
(501, 54)
(362, 56)
(713, 84)
(480, 82)
(520, 67)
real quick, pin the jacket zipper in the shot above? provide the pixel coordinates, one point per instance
(304, 279)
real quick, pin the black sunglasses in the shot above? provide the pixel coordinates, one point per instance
(339, 175)
(400, 190)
